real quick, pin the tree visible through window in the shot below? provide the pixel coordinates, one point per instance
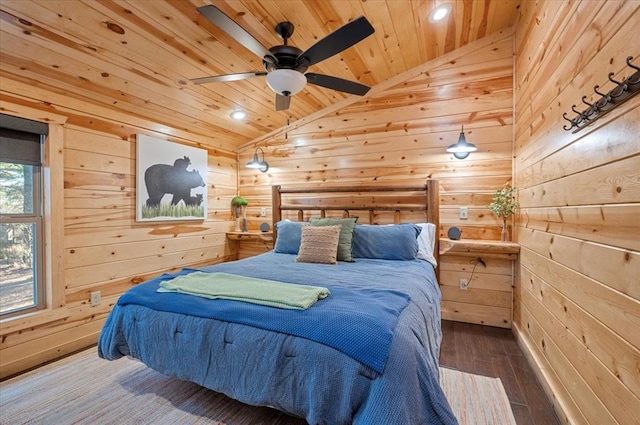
(22, 285)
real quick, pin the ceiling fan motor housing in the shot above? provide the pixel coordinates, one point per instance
(287, 58)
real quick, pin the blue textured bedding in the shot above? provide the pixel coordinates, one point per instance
(296, 374)
(366, 337)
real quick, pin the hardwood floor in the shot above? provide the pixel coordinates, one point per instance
(490, 351)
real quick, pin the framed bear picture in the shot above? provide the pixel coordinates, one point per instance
(171, 180)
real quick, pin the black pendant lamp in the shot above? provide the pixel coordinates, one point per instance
(263, 165)
(462, 148)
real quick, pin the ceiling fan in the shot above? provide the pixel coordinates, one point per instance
(286, 65)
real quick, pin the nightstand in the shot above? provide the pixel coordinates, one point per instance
(251, 243)
(487, 295)
(250, 236)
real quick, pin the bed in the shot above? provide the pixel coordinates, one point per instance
(365, 354)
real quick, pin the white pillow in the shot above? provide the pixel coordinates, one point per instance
(426, 243)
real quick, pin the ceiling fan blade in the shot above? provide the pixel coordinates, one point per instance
(282, 102)
(336, 83)
(337, 41)
(228, 25)
(227, 77)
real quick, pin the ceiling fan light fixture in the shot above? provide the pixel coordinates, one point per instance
(286, 82)
(238, 114)
(440, 12)
(461, 149)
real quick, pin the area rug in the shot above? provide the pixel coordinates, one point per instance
(84, 389)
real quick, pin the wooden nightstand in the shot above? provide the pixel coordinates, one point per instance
(488, 299)
(251, 243)
(250, 236)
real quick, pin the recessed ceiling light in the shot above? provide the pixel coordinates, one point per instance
(238, 114)
(439, 13)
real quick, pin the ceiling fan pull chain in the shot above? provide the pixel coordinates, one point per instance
(286, 129)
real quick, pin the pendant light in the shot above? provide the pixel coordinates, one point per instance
(263, 165)
(462, 148)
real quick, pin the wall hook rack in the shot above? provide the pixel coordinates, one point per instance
(623, 91)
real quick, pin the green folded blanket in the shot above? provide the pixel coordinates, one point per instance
(248, 289)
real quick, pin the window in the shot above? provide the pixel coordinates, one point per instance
(22, 283)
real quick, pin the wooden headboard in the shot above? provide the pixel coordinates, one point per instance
(372, 204)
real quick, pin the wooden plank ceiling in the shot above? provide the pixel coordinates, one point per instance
(138, 56)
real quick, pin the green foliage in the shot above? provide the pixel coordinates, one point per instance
(168, 210)
(16, 240)
(16, 197)
(239, 201)
(14, 179)
(504, 202)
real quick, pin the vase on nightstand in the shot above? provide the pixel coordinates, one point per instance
(244, 218)
(238, 218)
(505, 232)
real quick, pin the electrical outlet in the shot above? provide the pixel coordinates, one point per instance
(95, 298)
(263, 212)
(464, 213)
(464, 284)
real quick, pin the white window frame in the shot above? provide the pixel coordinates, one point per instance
(53, 225)
(35, 217)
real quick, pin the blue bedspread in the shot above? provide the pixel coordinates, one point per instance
(364, 334)
(298, 375)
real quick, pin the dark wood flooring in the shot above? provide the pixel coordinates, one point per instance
(489, 351)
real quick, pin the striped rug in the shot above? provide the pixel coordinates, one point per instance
(84, 389)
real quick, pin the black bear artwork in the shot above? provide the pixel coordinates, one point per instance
(176, 180)
(194, 200)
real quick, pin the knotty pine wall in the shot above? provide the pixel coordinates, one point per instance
(577, 307)
(398, 134)
(102, 247)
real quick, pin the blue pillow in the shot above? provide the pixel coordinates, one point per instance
(289, 234)
(396, 242)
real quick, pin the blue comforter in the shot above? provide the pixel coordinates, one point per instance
(299, 375)
(366, 337)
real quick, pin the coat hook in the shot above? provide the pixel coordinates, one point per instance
(602, 103)
(629, 80)
(585, 101)
(604, 100)
(618, 91)
(592, 109)
(611, 74)
(573, 124)
(595, 89)
(581, 115)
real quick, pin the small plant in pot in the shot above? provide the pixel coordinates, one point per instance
(240, 203)
(504, 205)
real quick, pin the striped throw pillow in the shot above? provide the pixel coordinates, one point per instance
(319, 244)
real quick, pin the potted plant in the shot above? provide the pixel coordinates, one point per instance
(240, 204)
(504, 205)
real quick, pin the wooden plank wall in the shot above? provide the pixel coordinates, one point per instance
(577, 307)
(104, 248)
(398, 135)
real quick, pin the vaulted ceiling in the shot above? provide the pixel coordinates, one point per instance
(138, 57)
